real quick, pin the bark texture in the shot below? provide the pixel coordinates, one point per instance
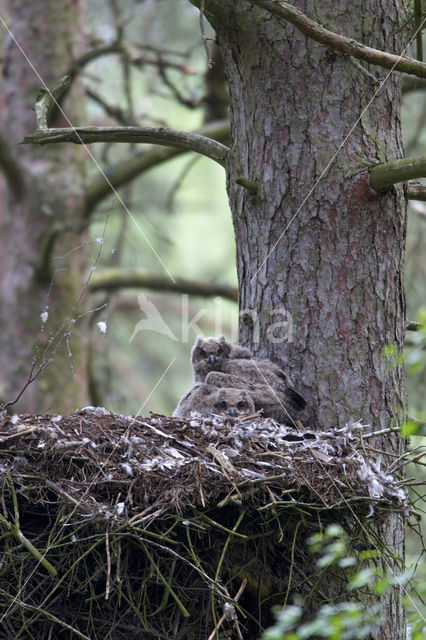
(40, 220)
(318, 252)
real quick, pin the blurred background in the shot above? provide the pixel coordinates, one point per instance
(181, 206)
(176, 214)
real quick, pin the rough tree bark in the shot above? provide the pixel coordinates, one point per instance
(40, 211)
(315, 242)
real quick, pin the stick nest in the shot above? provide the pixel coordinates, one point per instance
(121, 527)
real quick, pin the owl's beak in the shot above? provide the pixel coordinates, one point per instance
(212, 359)
(232, 412)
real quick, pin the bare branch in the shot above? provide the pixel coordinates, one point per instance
(416, 191)
(203, 35)
(124, 172)
(387, 174)
(93, 54)
(47, 101)
(418, 23)
(112, 110)
(414, 326)
(341, 44)
(11, 168)
(187, 102)
(410, 83)
(132, 53)
(119, 278)
(147, 135)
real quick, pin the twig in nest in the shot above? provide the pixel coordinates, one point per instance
(108, 554)
(230, 614)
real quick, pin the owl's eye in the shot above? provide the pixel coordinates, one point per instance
(241, 405)
(219, 351)
(202, 353)
(222, 405)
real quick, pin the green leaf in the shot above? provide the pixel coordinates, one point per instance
(347, 562)
(368, 554)
(335, 531)
(410, 428)
(381, 585)
(327, 560)
(361, 579)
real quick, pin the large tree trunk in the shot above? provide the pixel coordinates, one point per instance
(40, 220)
(317, 250)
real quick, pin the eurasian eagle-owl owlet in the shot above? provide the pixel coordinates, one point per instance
(217, 354)
(209, 354)
(222, 364)
(208, 400)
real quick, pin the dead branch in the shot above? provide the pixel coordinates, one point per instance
(119, 278)
(146, 135)
(11, 168)
(341, 44)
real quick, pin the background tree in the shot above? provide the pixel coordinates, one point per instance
(41, 210)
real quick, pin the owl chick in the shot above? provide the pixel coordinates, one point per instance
(267, 384)
(208, 400)
(280, 402)
(209, 353)
(235, 403)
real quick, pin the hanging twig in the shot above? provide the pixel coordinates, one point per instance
(204, 37)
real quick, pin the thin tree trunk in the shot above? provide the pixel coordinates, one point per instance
(40, 221)
(318, 252)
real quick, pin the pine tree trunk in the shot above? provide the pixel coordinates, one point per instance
(41, 220)
(319, 255)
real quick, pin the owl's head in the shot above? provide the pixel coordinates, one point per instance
(235, 403)
(207, 355)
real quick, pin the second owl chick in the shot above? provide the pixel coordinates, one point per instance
(285, 405)
(209, 400)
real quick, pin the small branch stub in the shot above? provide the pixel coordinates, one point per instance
(414, 326)
(416, 191)
(250, 186)
(47, 100)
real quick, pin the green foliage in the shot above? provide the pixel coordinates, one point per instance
(350, 620)
(344, 621)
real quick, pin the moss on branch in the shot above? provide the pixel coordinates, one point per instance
(387, 174)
